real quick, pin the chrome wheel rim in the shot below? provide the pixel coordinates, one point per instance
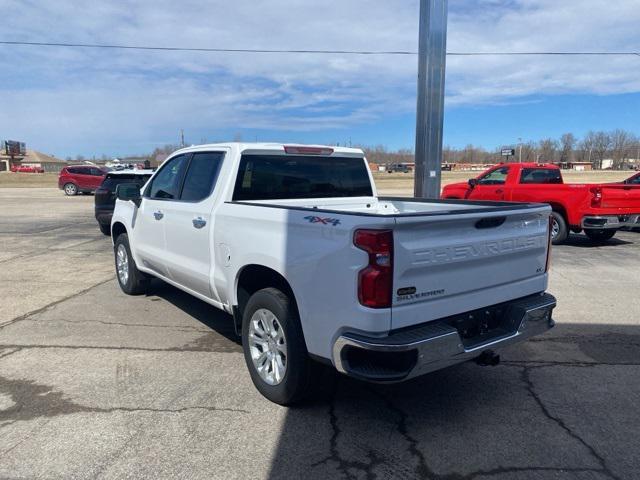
(555, 228)
(70, 189)
(122, 264)
(268, 346)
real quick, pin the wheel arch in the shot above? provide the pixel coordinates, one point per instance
(117, 229)
(254, 277)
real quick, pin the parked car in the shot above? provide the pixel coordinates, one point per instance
(398, 168)
(27, 169)
(81, 179)
(599, 210)
(105, 195)
(293, 242)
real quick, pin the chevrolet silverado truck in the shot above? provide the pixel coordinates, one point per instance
(599, 210)
(314, 267)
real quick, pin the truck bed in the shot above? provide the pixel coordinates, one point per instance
(394, 206)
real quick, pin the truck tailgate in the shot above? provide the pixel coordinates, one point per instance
(449, 265)
(626, 197)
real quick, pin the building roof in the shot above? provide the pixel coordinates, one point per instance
(34, 156)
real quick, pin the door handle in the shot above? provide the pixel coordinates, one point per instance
(499, 190)
(158, 215)
(199, 222)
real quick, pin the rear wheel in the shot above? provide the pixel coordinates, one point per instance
(70, 189)
(131, 280)
(105, 228)
(599, 235)
(559, 231)
(274, 347)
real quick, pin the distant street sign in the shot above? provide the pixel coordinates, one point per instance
(508, 152)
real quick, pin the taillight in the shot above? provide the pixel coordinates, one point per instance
(549, 244)
(375, 282)
(596, 197)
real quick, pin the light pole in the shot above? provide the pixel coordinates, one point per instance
(520, 147)
(432, 54)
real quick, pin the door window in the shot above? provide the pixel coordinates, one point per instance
(166, 184)
(495, 177)
(540, 175)
(201, 176)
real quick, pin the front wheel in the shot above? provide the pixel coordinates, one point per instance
(274, 347)
(70, 189)
(559, 231)
(131, 280)
(599, 235)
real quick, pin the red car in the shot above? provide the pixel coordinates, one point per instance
(26, 169)
(81, 178)
(598, 209)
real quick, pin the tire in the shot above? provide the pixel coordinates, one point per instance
(559, 230)
(283, 352)
(131, 280)
(599, 236)
(70, 189)
(105, 228)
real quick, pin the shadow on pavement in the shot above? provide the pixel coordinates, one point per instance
(212, 317)
(582, 241)
(561, 406)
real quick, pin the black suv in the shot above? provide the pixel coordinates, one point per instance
(105, 197)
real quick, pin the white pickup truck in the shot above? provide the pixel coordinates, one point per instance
(314, 267)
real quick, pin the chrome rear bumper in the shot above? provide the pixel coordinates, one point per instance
(600, 222)
(428, 347)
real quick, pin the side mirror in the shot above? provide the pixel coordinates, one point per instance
(129, 192)
(473, 182)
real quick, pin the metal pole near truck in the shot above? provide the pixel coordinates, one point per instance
(432, 56)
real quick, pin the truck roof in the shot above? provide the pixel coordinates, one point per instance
(270, 147)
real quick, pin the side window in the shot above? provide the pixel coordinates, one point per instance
(634, 180)
(97, 172)
(166, 184)
(201, 176)
(495, 177)
(540, 176)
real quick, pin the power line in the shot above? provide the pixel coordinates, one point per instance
(321, 52)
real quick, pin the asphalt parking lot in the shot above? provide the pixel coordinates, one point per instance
(95, 384)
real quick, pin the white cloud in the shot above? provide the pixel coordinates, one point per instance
(76, 98)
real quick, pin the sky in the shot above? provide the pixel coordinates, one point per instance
(66, 101)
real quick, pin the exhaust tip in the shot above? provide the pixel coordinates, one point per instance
(488, 358)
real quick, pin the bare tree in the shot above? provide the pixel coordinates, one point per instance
(621, 142)
(548, 149)
(600, 143)
(568, 142)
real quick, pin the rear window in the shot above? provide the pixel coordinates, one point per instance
(112, 180)
(272, 177)
(540, 175)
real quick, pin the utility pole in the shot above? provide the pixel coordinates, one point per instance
(182, 138)
(432, 55)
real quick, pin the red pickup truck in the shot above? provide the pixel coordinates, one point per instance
(598, 209)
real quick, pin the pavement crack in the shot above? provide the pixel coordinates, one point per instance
(526, 379)
(122, 324)
(4, 354)
(54, 303)
(345, 466)
(187, 348)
